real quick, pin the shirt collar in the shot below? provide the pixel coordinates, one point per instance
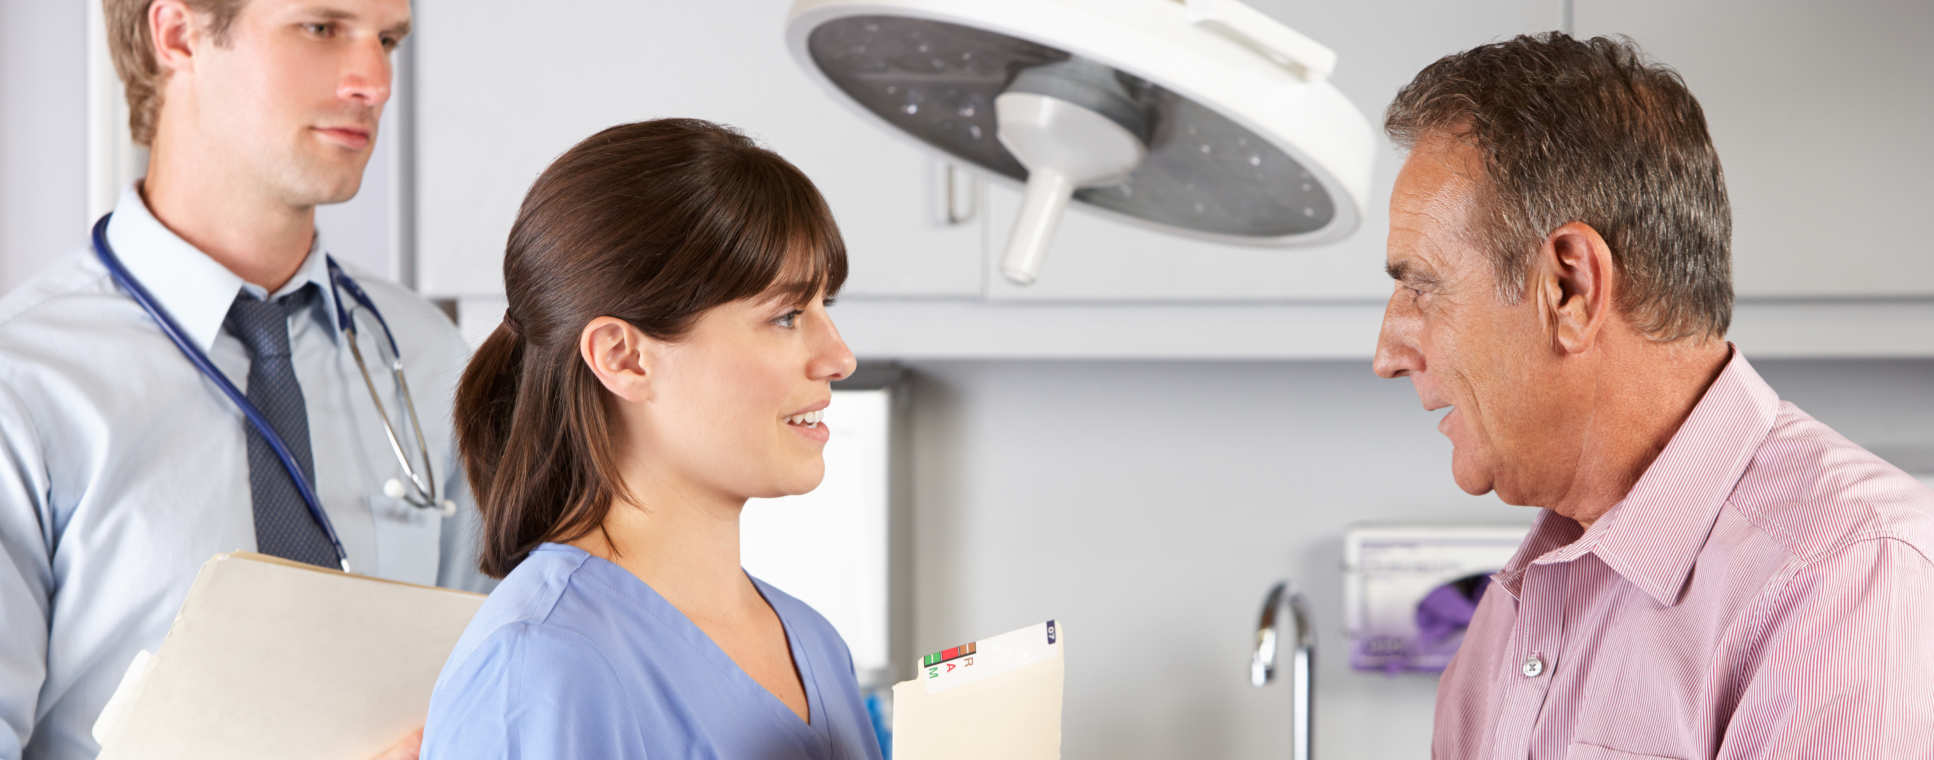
(1550, 532)
(193, 288)
(1653, 535)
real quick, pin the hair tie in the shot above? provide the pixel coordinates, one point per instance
(510, 322)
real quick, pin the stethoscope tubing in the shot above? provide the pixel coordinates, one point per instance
(176, 334)
(425, 483)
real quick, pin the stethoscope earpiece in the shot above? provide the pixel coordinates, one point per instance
(393, 488)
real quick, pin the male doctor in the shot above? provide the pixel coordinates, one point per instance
(122, 467)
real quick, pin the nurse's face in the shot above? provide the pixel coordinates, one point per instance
(726, 402)
(290, 101)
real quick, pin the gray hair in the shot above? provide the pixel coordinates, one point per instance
(1588, 131)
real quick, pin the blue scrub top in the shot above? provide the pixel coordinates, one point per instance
(573, 656)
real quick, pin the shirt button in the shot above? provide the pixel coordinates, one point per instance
(1534, 666)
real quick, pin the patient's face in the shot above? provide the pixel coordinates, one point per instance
(725, 400)
(1462, 345)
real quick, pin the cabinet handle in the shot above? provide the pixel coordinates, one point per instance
(955, 216)
(1303, 57)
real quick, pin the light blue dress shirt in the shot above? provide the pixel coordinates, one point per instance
(122, 469)
(573, 656)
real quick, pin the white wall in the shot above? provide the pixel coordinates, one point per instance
(1149, 506)
(43, 135)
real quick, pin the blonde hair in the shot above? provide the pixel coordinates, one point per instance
(132, 49)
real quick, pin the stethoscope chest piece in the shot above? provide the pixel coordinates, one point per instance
(417, 487)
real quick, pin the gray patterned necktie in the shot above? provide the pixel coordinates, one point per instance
(283, 525)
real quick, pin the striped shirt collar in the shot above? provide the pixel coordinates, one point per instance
(1652, 536)
(195, 289)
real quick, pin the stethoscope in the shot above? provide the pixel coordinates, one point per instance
(421, 488)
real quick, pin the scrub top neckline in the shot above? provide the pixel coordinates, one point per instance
(813, 732)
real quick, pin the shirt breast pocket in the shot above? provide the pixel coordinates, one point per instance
(408, 539)
(1583, 751)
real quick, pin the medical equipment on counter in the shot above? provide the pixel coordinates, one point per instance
(1411, 589)
(421, 489)
(1284, 602)
(1202, 118)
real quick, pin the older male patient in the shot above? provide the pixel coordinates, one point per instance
(1714, 573)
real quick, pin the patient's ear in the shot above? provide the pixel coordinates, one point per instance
(1575, 283)
(620, 355)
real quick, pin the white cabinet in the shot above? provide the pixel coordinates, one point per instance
(1819, 116)
(505, 86)
(1380, 45)
(1821, 113)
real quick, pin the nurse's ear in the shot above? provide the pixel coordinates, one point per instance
(620, 355)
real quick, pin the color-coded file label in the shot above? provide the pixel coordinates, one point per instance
(949, 654)
(987, 658)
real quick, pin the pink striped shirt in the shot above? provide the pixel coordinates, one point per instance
(1764, 591)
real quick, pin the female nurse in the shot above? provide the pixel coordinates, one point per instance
(666, 356)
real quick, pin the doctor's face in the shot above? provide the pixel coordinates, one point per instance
(1462, 346)
(293, 97)
(727, 400)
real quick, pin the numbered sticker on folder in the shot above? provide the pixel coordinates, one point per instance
(974, 661)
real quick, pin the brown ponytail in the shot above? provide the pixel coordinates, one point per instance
(653, 223)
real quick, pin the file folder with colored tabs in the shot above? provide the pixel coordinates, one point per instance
(993, 698)
(272, 658)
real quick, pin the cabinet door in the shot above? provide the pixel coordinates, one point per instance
(1821, 115)
(1380, 45)
(505, 86)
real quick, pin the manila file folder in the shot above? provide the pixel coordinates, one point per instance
(993, 698)
(272, 658)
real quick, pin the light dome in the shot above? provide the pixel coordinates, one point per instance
(1204, 118)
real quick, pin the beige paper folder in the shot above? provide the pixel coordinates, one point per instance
(994, 698)
(271, 658)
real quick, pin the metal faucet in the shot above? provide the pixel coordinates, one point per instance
(1262, 664)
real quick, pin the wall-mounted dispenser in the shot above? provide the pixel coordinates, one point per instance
(1410, 589)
